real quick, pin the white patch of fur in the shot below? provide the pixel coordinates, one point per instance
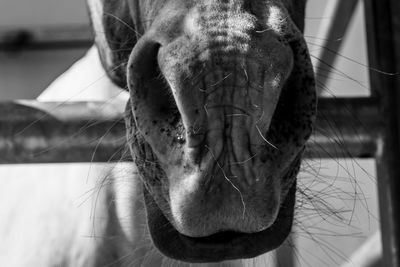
(190, 24)
(276, 20)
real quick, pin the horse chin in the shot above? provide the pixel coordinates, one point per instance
(221, 246)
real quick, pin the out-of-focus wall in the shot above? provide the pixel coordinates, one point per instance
(25, 74)
(42, 12)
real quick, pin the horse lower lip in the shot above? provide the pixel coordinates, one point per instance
(219, 247)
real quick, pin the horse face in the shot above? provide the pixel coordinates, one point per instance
(222, 101)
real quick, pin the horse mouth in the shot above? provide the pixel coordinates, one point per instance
(221, 246)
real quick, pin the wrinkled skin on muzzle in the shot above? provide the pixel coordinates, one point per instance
(222, 101)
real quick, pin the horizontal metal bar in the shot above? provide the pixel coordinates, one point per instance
(33, 132)
(37, 132)
(346, 127)
(33, 38)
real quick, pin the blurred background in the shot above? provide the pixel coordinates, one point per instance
(25, 73)
(345, 207)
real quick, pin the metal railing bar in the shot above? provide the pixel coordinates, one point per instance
(45, 132)
(35, 132)
(345, 128)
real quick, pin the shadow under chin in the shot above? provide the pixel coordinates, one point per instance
(222, 246)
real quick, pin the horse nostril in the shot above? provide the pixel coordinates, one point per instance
(150, 93)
